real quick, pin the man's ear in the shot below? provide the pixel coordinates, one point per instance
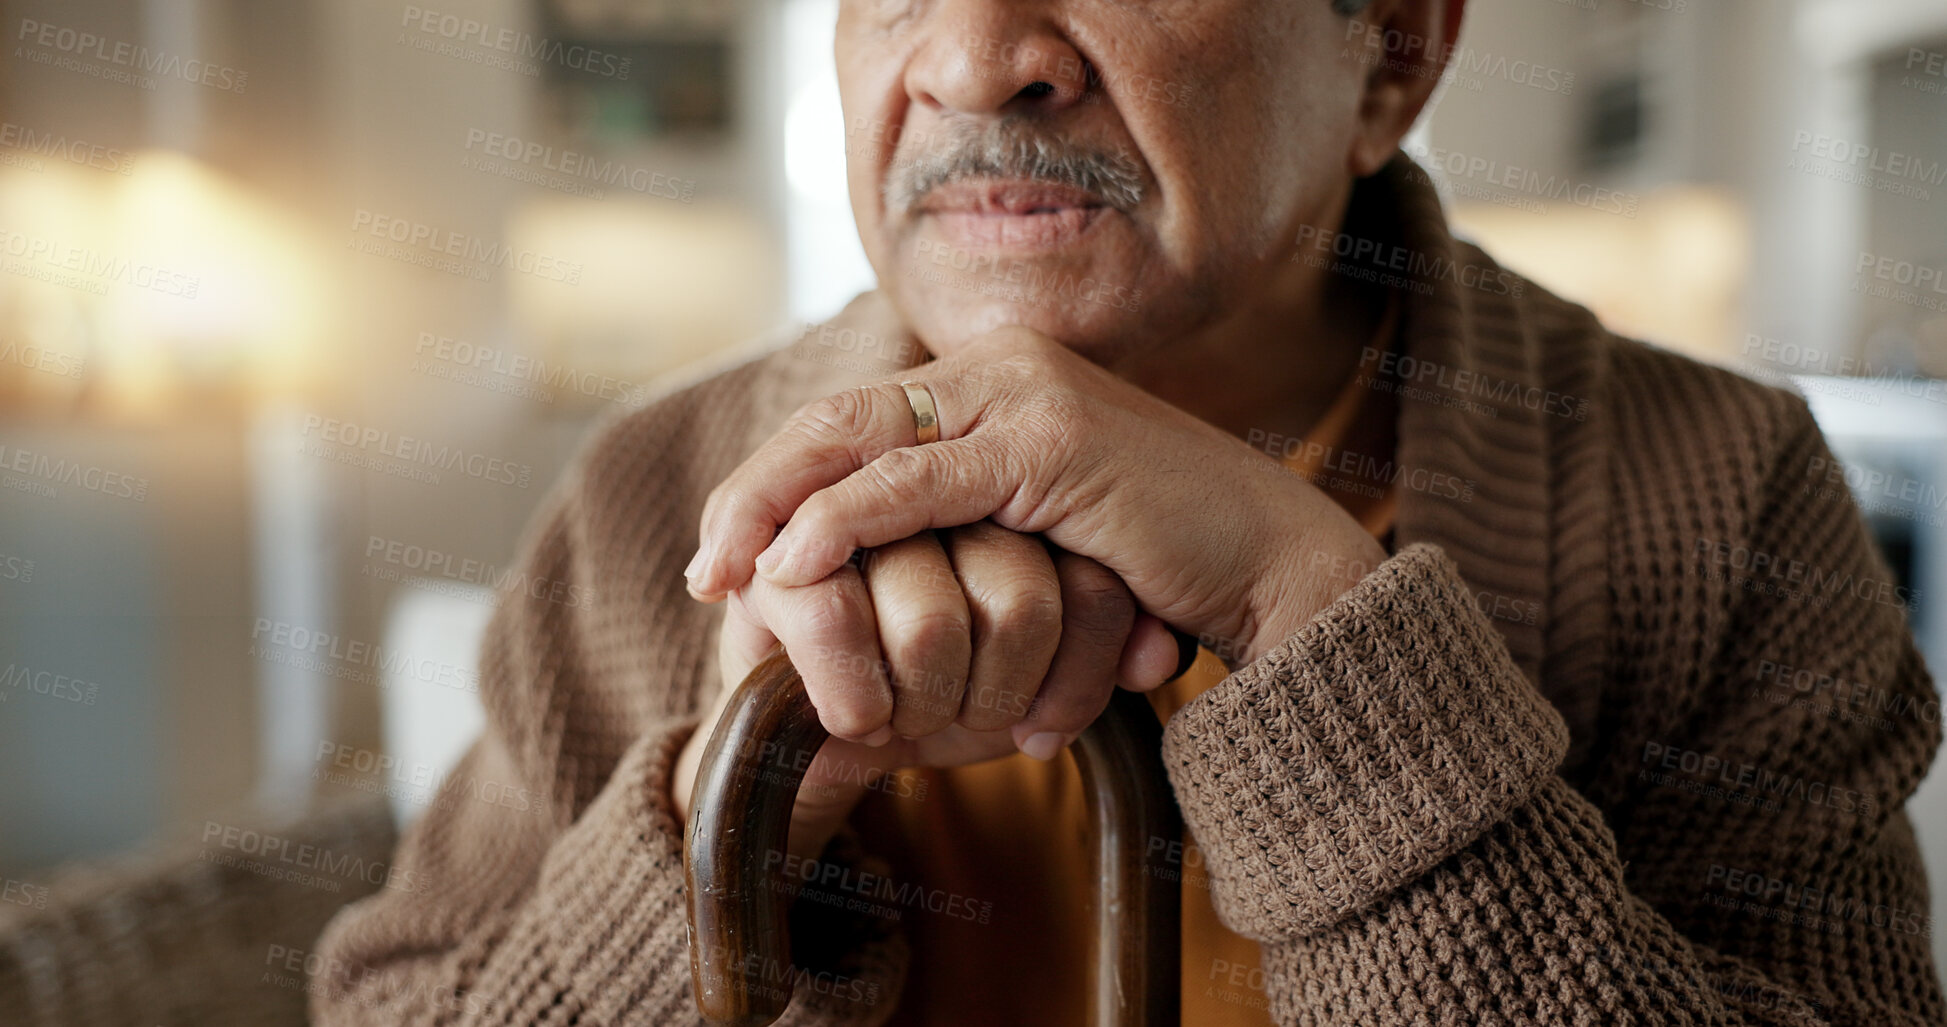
(1407, 45)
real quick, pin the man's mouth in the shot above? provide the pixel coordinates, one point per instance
(1012, 214)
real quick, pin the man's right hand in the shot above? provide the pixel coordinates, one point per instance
(994, 642)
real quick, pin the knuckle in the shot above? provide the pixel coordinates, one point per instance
(1022, 366)
(841, 415)
(1099, 604)
(1027, 615)
(930, 669)
(923, 633)
(729, 499)
(845, 687)
(847, 718)
(897, 469)
(829, 613)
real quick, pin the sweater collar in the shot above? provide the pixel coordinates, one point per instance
(1498, 382)
(1473, 407)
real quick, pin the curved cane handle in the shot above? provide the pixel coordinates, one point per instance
(740, 945)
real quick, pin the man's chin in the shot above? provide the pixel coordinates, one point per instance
(1085, 319)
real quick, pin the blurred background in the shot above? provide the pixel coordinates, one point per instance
(306, 304)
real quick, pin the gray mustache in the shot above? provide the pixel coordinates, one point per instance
(1010, 148)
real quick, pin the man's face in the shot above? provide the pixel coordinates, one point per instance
(1113, 174)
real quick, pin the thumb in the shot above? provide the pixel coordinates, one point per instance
(1155, 654)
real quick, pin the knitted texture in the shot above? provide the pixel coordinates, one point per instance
(197, 929)
(1548, 763)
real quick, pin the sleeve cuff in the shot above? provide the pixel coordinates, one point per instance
(1373, 743)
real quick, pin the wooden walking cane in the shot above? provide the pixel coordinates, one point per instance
(741, 810)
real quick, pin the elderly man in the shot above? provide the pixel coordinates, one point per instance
(1531, 664)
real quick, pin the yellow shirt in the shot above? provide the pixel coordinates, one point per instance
(990, 863)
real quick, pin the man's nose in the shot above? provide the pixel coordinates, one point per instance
(988, 57)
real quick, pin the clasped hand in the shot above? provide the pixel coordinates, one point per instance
(952, 602)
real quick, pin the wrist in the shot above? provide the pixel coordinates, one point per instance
(1307, 572)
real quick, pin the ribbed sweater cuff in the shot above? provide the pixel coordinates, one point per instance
(1381, 738)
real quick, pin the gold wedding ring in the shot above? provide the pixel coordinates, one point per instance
(926, 416)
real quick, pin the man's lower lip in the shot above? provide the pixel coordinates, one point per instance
(1043, 231)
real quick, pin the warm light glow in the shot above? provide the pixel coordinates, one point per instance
(1673, 275)
(172, 276)
(255, 316)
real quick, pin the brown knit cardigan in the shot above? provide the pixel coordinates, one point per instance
(1621, 733)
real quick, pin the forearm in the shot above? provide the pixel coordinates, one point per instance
(1378, 802)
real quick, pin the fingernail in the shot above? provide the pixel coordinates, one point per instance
(1044, 745)
(696, 566)
(879, 737)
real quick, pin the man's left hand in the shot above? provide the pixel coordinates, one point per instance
(1211, 536)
